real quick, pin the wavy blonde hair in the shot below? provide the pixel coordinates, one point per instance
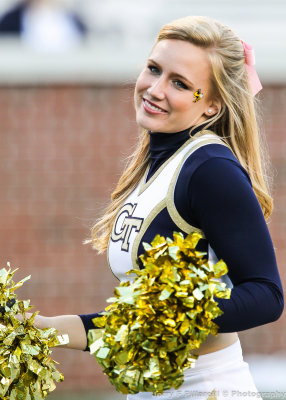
(236, 122)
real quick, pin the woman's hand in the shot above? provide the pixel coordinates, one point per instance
(70, 325)
(40, 322)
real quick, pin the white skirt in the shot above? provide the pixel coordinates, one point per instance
(220, 375)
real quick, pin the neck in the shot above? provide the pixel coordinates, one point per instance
(163, 145)
(167, 141)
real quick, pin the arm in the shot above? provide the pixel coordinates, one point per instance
(65, 324)
(73, 326)
(223, 204)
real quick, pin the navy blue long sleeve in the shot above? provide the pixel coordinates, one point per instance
(224, 206)
(214, 193)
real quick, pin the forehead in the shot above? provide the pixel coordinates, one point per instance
(182, 57)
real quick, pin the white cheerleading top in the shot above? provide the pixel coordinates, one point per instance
(146, 201)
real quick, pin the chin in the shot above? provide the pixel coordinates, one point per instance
(146, 123)
(151, 127)
(142, 123)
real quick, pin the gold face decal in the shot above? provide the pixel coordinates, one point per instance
(198, 95)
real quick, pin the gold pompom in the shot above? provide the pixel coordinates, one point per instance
(148, 333)
(27, 370)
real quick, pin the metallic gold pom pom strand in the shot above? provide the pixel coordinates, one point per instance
(147, 334)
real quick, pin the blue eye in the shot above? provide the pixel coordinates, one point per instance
(180, 84)
(156, 71)
(153, 69)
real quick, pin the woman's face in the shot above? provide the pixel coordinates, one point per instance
(175, 70)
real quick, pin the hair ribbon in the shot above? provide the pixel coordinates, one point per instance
(255, 83)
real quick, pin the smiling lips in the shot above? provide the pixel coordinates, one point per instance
(152, 108)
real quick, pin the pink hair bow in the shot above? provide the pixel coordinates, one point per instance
(255, 83)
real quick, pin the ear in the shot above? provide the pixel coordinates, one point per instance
(212, 108)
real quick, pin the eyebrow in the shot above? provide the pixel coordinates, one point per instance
(173, 73)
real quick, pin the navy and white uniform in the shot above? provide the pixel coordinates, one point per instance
(198, 184)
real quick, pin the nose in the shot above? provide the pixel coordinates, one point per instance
(157, 89)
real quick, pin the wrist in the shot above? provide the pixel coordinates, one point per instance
(42, 322)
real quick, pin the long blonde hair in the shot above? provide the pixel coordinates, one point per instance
(236, 122)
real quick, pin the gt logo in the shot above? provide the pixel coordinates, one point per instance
(124, 224)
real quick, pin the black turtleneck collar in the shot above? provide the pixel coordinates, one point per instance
(164, 145)
(161, 141)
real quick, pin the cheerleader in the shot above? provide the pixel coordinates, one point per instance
(199, 165)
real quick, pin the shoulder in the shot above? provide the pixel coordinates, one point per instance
(211, 161)
(210, 177)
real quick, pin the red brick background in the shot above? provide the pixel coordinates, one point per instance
(61, 152)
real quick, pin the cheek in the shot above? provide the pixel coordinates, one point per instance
(184, 104)
(141, 83)
(137, 91)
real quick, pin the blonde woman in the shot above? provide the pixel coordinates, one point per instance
(199, 165)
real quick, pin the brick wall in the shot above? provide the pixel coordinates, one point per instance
(61, 152)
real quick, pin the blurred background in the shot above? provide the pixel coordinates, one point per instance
(67, 72)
